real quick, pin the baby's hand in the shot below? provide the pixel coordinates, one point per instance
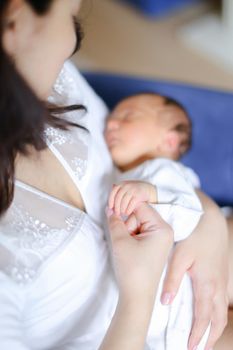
(125, 197)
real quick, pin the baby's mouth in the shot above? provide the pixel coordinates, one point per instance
(111, 139)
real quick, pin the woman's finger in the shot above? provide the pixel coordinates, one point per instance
(146, 214)
(132, 224)
(203, 307)
(219, 320)
(216, 331)
(177, 267)
(117, 228)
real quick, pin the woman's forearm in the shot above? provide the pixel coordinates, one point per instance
(204, 255)
(208, 204)
(129, 326)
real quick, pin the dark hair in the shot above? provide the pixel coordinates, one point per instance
(22, 115)
(184, 129)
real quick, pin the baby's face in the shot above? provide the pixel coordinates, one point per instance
(134, 130)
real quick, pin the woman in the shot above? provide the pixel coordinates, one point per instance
(50, 248)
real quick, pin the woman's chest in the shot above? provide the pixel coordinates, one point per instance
(74, 293)
(59, 255)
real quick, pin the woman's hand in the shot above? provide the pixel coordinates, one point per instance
(140, 249)
(204, 255)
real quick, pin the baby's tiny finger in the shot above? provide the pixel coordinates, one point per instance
(125, 202)
(118, 199)
(132, 206)
(113, 193)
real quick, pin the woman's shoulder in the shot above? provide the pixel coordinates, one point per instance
(71, 86)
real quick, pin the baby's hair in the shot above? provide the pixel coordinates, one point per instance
(171, 101)
(182, 128)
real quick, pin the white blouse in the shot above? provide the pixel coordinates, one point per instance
(56, 280)
(57, 287)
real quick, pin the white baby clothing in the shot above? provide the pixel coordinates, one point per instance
(57, 287)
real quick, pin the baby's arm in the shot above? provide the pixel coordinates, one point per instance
(178, 203)
(126, 196)
(174, 197)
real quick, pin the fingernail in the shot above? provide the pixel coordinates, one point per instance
(108, 212)
(166, 298)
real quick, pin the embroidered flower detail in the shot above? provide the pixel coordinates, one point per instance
(56, 136)
(64, 79)
(33, 241)
(80, 166)
(62, 88)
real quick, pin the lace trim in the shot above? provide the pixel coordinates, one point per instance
(76, 139)
(32, 241)
(61, 93)
(80, 165)
(78, 142)
(57, 136)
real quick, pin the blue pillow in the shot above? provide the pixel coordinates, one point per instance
(211, 112)
(158, 8)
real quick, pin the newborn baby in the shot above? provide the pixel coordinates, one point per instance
(146, 135)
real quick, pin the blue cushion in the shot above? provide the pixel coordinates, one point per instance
(160, 7)
(211, 112)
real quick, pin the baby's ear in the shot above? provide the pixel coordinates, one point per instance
(171, 144)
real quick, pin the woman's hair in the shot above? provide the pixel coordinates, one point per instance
(22, 115)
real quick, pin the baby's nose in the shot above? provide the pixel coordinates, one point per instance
(112, 124)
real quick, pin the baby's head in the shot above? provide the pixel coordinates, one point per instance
(147, 126)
